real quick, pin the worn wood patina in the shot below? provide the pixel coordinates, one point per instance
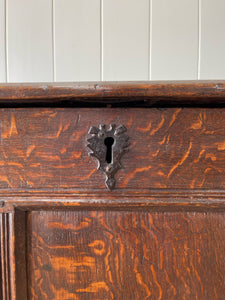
(159, 234)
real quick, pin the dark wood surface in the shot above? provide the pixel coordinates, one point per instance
(45, 148)
(125, 255)
(158, 235)
(147, 93)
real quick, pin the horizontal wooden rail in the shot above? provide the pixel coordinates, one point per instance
(147, 93)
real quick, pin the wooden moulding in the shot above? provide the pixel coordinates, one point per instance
(156, 200)
(13, 276)
(164, 93)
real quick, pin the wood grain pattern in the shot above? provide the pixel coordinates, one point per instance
(147, 93)
(171, 200)
(170, 148)
(126, 255)
(7, 256)
(5, 286)
(159, 235)
(13, 274)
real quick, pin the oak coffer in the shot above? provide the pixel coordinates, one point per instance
(112, 191)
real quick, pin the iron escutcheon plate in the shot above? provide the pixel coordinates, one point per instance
(108, 146)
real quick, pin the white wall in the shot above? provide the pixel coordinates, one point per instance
(88, 40)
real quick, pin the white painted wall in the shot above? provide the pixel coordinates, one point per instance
(88, 40)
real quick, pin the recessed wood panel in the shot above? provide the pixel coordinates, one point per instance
(170, 148)
(126, 255)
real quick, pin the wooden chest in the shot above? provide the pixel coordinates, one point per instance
(112, 191)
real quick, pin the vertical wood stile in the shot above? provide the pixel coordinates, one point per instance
(77, 40)
(7, 278)
(212, 62)
(174, 48)
(126, 40)
(1, 269)
(11, 246)
(2, 255)
(29, 40)
(13, 269)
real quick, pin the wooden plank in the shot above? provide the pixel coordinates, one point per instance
(20, 253)
(30, 41)
(126, 254)
(174, 148)
(212, 46)
(77, 40)
(125, 40)
(182, 93)
(174, 39)
(7, 256)
(2, 42)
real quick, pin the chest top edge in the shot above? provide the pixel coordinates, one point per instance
(117, 94)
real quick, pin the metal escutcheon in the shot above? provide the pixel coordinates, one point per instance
(108, 146)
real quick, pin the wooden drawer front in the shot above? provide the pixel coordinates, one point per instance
(45, 148)
(126, 255)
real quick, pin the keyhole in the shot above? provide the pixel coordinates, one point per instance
(109, 141)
